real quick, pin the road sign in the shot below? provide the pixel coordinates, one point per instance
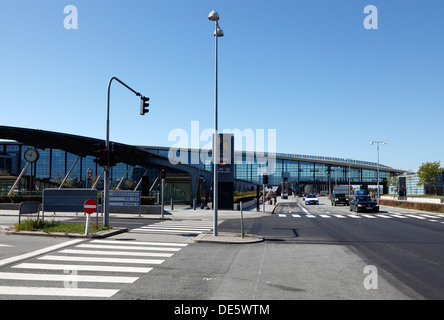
(90, 206)
(124, 198)
(90, 172)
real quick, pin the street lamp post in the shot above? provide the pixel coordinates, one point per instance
(214, 16)
(377, 179)
(107, 147)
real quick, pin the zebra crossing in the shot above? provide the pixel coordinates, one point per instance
(78, 271)
(426, 217)
(178, 227)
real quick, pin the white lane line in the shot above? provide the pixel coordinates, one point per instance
(353, 216)
(417, 217)
(368, 216)
(310, 216)
(171, 244)
(4, 245)
(325, 216)
(296, 216)
(44, 266)
(65, 277)
(429, 216)
(383, 216)
(282, 215)
(338, 216)
(118, 253)
(66, 292)
(398, 216)
(176, 227)
(38, 252)
(164, 230)
(100, 259)
(101, 246)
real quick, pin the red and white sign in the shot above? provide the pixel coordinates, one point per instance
(90, 172)
(90, 206)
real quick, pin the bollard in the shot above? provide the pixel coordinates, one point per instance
(172, 204)
(242, 219)
(194, 204)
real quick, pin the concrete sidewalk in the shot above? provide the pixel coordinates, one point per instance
(178, 213)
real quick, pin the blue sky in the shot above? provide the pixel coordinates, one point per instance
(307, 68)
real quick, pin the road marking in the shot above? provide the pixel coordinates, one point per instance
(398, 216)
(310, 216)
(65, 277)
(282, 215)
(417, 217)
(165, 230)
(428, 216)
(353, 216)
(38, 252)
(325, 216)
(171, 244)
(338, 216)
(82, 267)
(100, 259)
(46, 291)
(383, 216)
(101, 246)
(296, 215)
(4, 245)
(118, 253)
(368, 216)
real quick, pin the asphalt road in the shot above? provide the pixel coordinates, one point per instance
(309, 252)
(407, 245)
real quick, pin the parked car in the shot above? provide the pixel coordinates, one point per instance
(363, 203)
(339, 198)
(311, 199)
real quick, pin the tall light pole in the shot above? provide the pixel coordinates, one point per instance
(377, 179)
(214, 16)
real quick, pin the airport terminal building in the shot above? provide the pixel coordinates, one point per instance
(69, 160)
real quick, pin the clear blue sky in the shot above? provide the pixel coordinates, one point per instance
(307, 68)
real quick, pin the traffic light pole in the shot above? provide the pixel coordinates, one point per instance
(263, 196)
(105, 201)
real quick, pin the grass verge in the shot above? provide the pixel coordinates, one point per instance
(56, 226)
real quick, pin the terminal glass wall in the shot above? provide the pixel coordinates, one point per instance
(54, 164)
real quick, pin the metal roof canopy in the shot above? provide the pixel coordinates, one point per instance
(85, 146)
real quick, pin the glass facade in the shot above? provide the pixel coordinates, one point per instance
(53, 165)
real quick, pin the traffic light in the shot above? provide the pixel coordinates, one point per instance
(102, 158)
(144, 105)
(265, 179)
(162, 173)
(105, 158)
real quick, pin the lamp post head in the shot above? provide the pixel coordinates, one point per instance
(213, 16)
(384, 142)
(218, 32)
(371, 142)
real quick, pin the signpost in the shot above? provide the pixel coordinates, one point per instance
(90, 206)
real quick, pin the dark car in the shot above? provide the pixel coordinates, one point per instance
(339, 198)
(363, 203)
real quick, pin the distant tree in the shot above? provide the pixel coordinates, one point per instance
(392, 180)
(429, 174)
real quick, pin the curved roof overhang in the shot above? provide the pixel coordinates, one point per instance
(85, 146)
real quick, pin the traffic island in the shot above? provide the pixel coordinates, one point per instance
(227, 237)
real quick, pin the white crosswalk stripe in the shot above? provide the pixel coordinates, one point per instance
(368, 216)
(183, 227)
(109, 262)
